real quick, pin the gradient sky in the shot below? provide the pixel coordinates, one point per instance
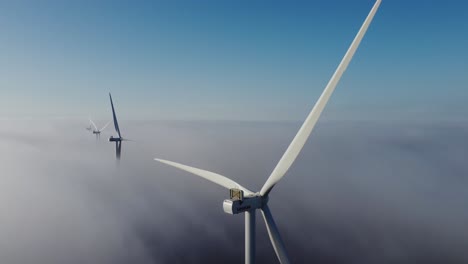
(234, 60)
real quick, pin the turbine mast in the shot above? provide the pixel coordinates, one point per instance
(250, 237)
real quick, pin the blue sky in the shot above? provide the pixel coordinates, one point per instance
(234, 60)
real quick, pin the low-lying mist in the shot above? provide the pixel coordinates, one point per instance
(360, 192)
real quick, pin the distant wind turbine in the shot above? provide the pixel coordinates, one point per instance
(97, 131)
(243, 200)
(117, 140)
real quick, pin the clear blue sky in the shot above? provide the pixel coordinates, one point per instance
(242, 60)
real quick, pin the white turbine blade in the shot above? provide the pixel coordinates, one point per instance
(301, 137)
(104, 127)
(211, 176)
(94, 125)
(275, 237)
(116, 124)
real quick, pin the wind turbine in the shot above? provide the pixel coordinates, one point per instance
(89, 128)
(243, 200)
(97, 131)
(117, 140)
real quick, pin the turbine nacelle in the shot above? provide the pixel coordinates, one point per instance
(115, 139)
(238, 203)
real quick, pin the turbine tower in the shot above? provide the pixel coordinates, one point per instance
(243, 200)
